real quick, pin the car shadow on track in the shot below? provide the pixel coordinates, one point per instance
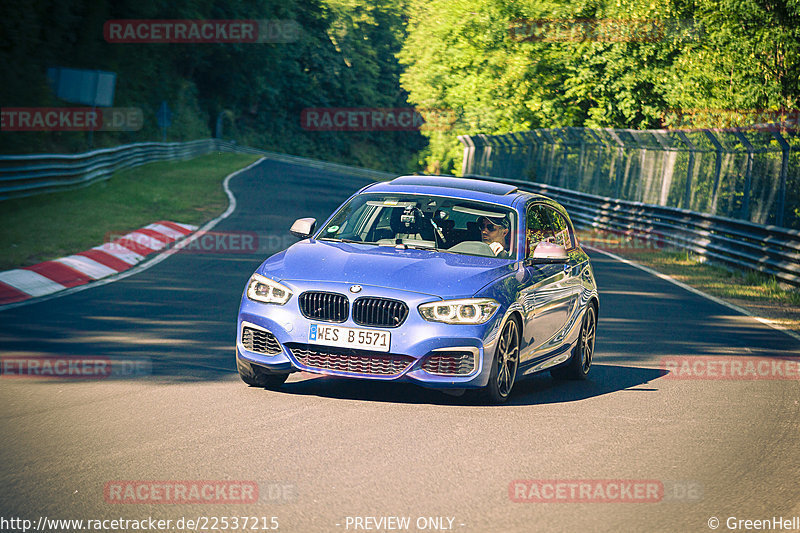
(537, 390)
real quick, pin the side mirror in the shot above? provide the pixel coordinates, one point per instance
(549, 252)
(303, 227)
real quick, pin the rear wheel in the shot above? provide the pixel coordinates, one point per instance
(259, 378)
(504, 366)
(581, 361)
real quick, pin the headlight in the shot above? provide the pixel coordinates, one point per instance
(264, 290)
(469, 311)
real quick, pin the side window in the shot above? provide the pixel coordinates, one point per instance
(537, 227)
(560, 229)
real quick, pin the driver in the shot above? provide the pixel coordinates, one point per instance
(494, 231)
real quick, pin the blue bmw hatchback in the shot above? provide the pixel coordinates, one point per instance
(446, 282)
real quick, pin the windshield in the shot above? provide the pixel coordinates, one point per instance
(426, 222)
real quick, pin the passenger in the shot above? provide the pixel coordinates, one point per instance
(494, 232)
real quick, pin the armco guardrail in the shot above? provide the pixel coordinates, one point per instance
(769, 249)
(28, 175)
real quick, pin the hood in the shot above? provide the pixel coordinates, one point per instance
(423, 271)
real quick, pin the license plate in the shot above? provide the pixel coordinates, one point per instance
(365, 339)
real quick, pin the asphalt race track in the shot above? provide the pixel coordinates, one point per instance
(325, 449)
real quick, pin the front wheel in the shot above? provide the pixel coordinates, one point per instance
(581, 361)
(504, 366)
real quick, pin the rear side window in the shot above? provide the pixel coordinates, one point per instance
(537, 227)
(544, 223)
(560, 229)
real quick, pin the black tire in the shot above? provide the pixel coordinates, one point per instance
(262, 379)
(504, 365)
(580, 363)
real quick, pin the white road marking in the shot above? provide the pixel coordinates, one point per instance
(698, 292)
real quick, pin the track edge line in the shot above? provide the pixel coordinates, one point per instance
(697, 292)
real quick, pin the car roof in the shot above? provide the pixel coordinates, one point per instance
(466, 188)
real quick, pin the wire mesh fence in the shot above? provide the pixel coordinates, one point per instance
(751, 175)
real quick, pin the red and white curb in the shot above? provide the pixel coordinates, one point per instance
(101, 261)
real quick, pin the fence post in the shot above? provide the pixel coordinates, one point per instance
(541, 163)
(469, 154)
(520, 154)
(687, 194)
(562, 166)
(549, 170)
(784, 169)
(748, 169)
(528, 138)
(580, 161)
(601, 152)
(617, 164)
(717, 166)
(485, 154)
(500, 165)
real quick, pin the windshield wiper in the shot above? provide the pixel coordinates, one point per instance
(353, 241)
(399, 242)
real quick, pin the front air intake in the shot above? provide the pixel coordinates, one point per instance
(381, 312)
(327, 306)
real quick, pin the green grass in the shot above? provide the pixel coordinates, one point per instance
(48, 226)
(761, 294)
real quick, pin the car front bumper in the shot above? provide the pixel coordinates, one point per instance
(420, 351)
